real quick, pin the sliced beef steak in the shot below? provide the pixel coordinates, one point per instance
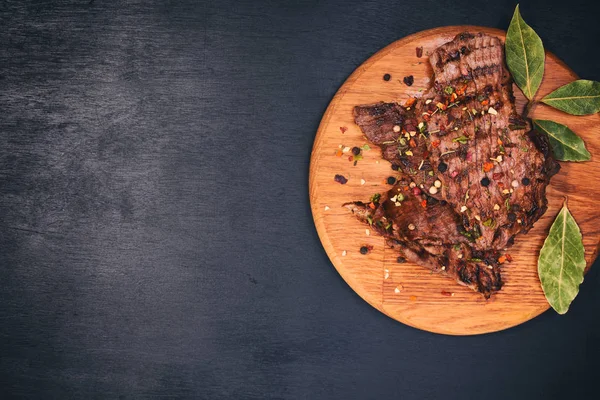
(464, 145)
(428, 232)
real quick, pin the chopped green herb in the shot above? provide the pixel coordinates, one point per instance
(490, 223)
(475, 259)
(375, 198)
(366, 147)
(370, 219)
(461, 139)
(456, 247)
(448, 90)
(507, 204)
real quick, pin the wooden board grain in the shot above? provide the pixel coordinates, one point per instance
(410, 293)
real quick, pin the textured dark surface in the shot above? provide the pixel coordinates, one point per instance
(155, 232)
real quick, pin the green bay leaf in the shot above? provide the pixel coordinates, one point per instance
(561, 261)
(524, 55)
(565, 144)
(581, 97)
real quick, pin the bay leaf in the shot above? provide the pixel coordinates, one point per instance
(565, 143)
(581, 97)
(561, 261)
(524, 55)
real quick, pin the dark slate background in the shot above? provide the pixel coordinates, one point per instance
(156, 239)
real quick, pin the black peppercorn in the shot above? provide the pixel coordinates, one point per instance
(401, 260)
(391, 180)
(443, 167)
(512, 217)
(485, 181)
(525, 181)
(364, 250)
(409, 80)
(387, 77)
(355, 151)
(395, 167)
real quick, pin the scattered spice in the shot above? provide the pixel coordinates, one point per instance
(502, 259)
(445, 293)
(362, 182)
(424, 203)
(356, 150)
(514, 183)
(419, 52)
(409, 80)
(487, 166)
(338, 153)
(410, 102)
(391, 180)
(340, 179)
(387, 77)
(437, 184)
(433, 190)
(442, 167)
(396, 128)
(365, 249)
(435, 144)
(326, 208)
(485, 181)
(413, 298)
(344, 253)
(411, 227)
(343, 129)
(448, 90)
(525, 181)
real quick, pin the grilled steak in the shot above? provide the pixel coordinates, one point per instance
(481, 173)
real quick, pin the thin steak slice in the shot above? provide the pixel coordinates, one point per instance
(464, 144)
(437, 244)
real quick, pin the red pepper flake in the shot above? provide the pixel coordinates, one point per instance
(485, 102)
(499, 142)
(445, 293)
(502, 259)
(435, 144)
(340, 179)
(410, 102)
(338, 153)
(372, 205)
(461, 90)
(424, 203)
(487, 166)
(419, 52)
(405, 188)
(500, 184)
(508, 257)
(412, 143)
(343, 129)
(350, 158)
(426, 154)
(498, 175)
(426, 117)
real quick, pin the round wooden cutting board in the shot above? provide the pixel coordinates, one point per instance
(410, 293)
